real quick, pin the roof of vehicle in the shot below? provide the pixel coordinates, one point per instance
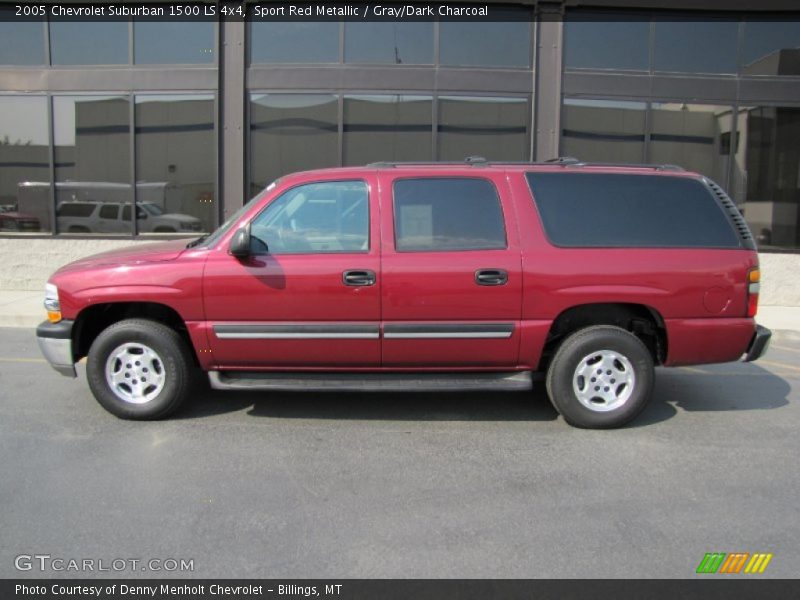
(69, 185)
(477, 162)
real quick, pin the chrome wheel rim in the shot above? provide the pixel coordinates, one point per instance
(603, 380)
(135, 373)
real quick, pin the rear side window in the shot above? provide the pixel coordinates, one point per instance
(75, 209)
(109, 211)
(613, 210)
(443, 214)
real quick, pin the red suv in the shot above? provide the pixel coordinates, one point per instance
(468, 276)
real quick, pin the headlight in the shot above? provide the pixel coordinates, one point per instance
(51, 303)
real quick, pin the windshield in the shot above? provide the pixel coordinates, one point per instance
(153, 209)
(209, 240)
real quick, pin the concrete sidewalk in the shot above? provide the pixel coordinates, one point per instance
(23, 308)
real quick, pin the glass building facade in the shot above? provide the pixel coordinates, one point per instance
(141, 128)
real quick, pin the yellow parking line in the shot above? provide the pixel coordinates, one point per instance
(23, 360)
(777, 364)
(787, 348)
(695, 370)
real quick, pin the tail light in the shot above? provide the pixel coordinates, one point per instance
(753, 285)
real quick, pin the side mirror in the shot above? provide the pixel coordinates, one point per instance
(240, 243)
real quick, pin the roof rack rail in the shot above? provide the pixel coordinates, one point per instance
(629, 165)
(564, 161)
(469, 160)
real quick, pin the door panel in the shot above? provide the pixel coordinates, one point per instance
(291, 306)
(454, 307)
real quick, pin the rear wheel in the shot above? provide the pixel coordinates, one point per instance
(601, 377)
(139, 369)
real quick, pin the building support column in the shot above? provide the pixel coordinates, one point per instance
(547, 93)
(231, 116)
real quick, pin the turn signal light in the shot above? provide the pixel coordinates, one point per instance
(51, 303)
(753, 287)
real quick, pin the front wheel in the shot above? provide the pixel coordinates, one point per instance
(139, 369)
(601, 377)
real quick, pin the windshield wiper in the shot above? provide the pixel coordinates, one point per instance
(198, 241)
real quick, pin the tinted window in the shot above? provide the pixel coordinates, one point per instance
(694, 136)
(76, 209)
(21, 42)
(24, 162)
(495, 128)
(594, 210)
(109, 211)
(291, 132)
(771, 48)
(294, 42)
(176, 156)
(688, 46)
(402, 43)
(179, 42)
(769, 184)
(447, 214)
(587, 44)
(92, 155)
(491, 44)
(317, 218)
(89, 43)
(603, 130)
(387, 128)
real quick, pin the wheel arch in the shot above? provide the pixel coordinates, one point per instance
(644, 321)
(93, 319)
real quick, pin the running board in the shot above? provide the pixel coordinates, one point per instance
(371, 382)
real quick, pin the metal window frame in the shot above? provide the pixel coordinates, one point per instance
(214, 97)
(131, 148)
(231, 78)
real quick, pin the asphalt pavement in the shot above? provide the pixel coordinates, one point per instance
(400, 485)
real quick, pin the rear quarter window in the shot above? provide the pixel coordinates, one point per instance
(75, 209)
(620, 210)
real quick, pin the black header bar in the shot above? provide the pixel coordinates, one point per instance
(698, 588)
(376, 11)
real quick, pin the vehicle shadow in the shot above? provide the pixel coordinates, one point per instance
(388, 406)
(710, 388)
(713, 388)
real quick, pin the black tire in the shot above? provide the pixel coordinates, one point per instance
(569, 392)
(173, 369)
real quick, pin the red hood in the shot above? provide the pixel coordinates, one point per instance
(144, 253)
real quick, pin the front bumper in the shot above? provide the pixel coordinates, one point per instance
(55, 342)
(759, 344)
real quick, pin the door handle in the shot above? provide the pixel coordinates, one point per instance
(491, 277)
(358, 278)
